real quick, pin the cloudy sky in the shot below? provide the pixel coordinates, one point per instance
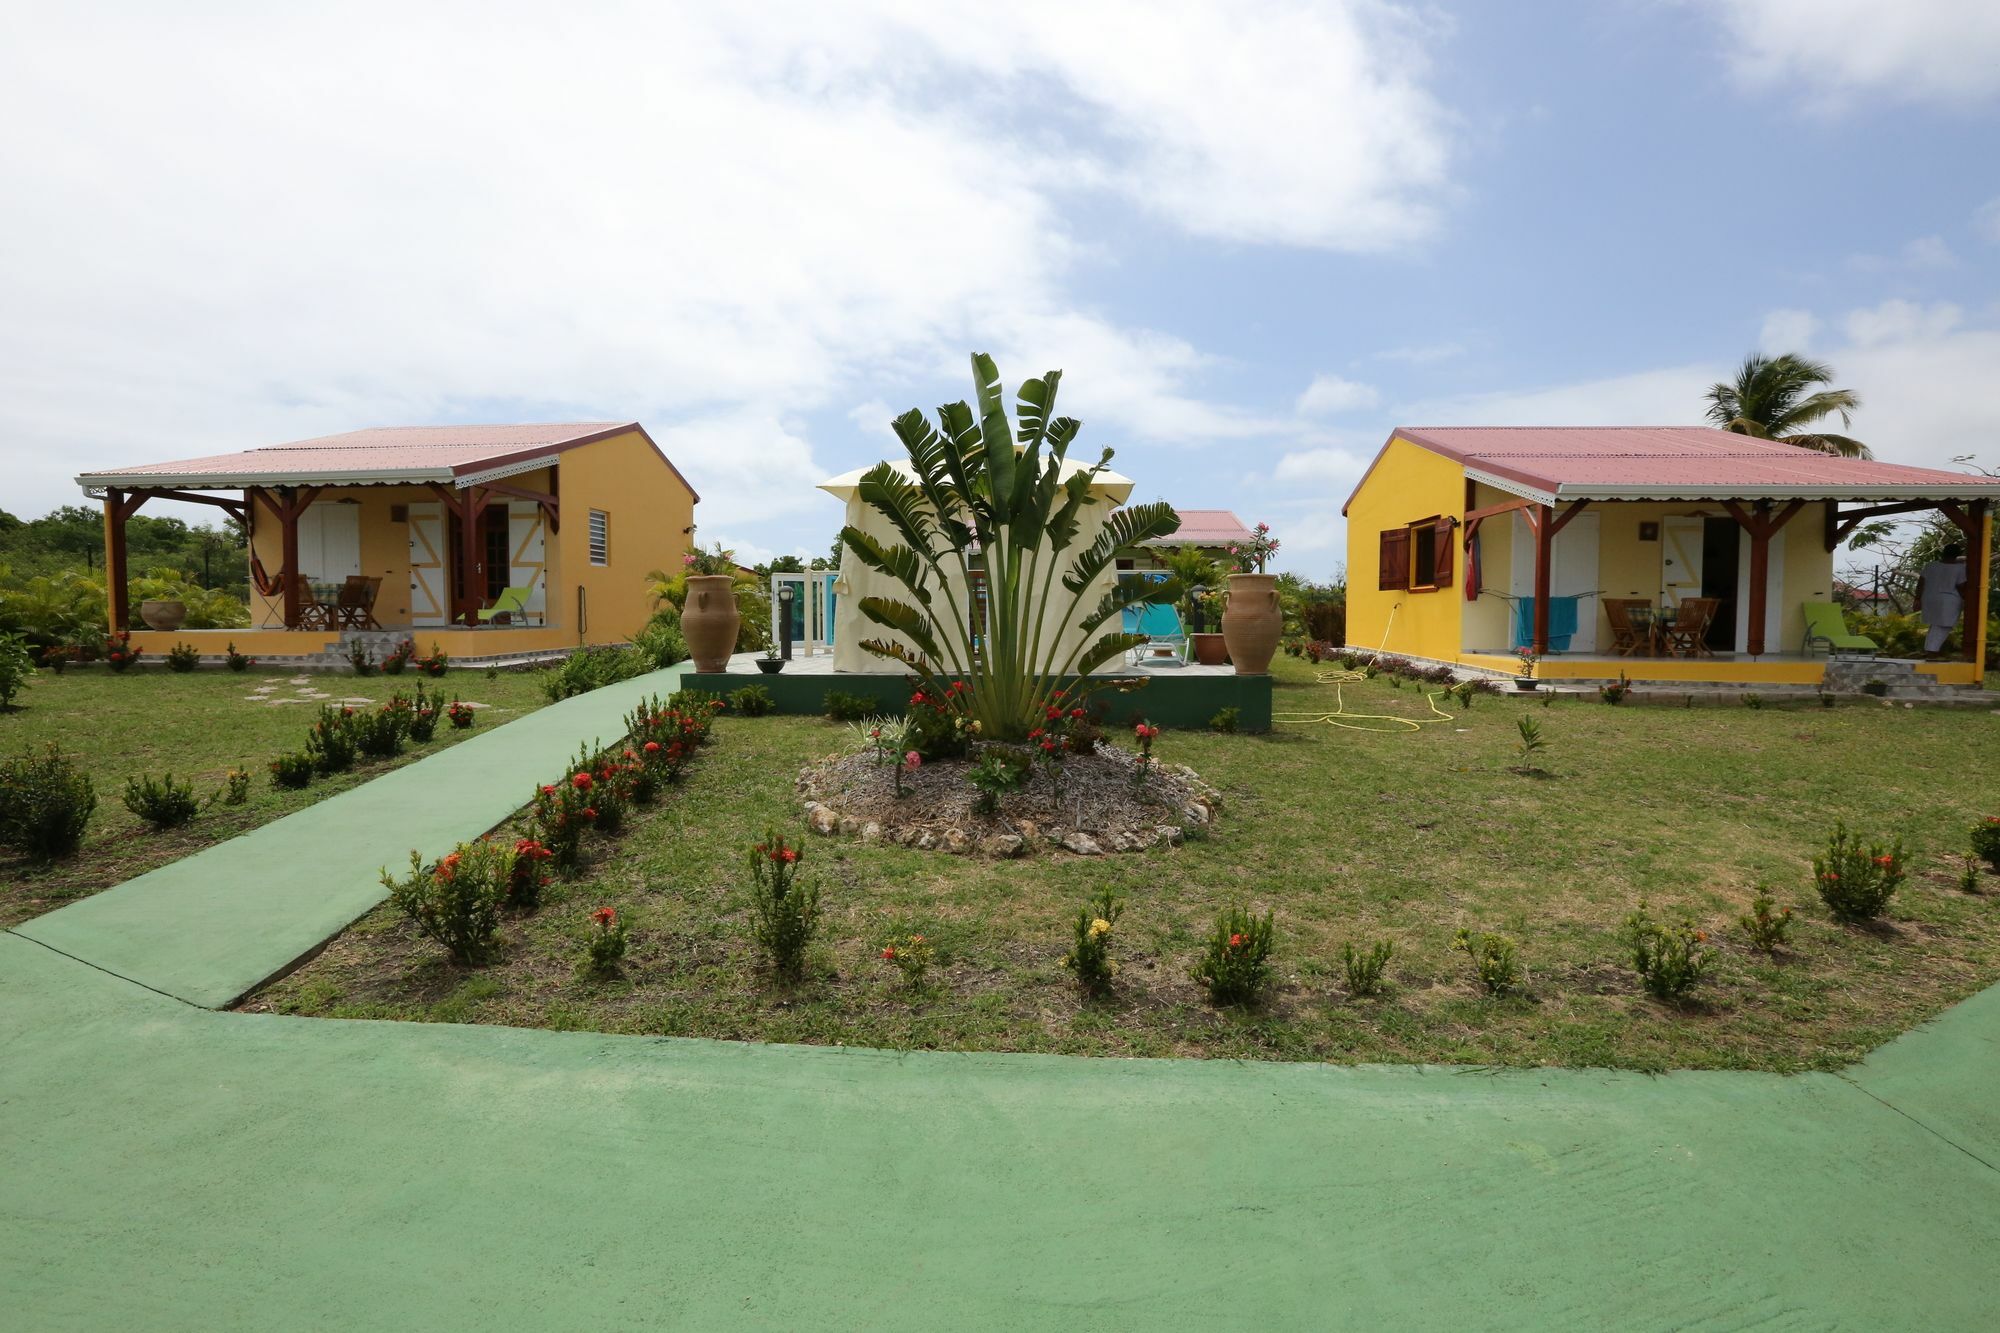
(1255, 235)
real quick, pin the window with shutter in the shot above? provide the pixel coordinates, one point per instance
(1442, 542)
(1395, 561)
(1423, 556)
(600, 537)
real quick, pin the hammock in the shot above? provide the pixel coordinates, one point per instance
(267, 585)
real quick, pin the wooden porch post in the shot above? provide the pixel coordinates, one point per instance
(1542, 519)
(472, 566)
(1761, 526)
(117, 599)
(1972, 519)
(289, 510)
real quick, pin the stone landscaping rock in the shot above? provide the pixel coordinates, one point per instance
(1082, 844)
(1001, 845)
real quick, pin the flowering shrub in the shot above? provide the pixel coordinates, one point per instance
(379, 732)
(912, 956)
(361, 657)
(529, 876)
(1766, 923)
(332, 742)
(910, 763)
(557, 818)
(1253, 554)
(1089, 955)
(457, 901)
(1986, 842)
(1856, 882)
(120, 653)
(434, 663)
(605, 948)
(45, 804)
(183, 658)
(787, 912)
(235, 786)
(1236, 964)
(294, 769)
(1494, 960)
(1145, 733)
(162, 802)
(1364, 967)
(461, 714)
(1000, 770)
(937, 724)
(236, 661)
(1670, 960)
(421, 724)
(398, 658)
(1615, 692)
(752, 701)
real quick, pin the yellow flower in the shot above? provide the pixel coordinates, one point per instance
(975, 728)
(1099, 926)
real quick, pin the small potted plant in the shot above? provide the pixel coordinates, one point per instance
(770, 663)
(1524, 679)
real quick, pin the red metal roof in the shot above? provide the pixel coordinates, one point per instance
(1675, 463)
(379, 455)
(1205, 527)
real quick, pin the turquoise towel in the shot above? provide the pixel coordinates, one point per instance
(1562, 622)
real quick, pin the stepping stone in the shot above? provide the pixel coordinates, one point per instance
(301, 680)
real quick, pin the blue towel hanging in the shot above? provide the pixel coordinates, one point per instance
(1562, 622)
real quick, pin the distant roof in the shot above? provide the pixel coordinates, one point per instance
(463, 455)
(1550, 463)
(1204, 527)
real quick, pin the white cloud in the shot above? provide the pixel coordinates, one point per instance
(1329, 395)
(1665, 397)
(1829, 52)
(1787, 331)
(1901, 322)
(1986, 222)
(1923, 253)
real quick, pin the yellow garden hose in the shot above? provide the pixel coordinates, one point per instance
(1340, 717)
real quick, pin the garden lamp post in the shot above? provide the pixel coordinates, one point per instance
(785, 594)
(1197, 597)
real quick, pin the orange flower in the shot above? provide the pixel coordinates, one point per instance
(604, 916)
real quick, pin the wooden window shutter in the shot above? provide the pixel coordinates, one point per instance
(1441, 547)
(1395, 566)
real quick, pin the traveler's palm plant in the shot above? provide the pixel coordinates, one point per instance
(983, 486)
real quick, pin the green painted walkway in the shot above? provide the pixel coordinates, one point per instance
(163, 1166)
(212, 928)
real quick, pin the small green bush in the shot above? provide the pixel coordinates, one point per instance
(1986, 842)
(119, 654)
(421, 723)
(457, 901)
(434, 663)
(787, 912)
(1089, 955)
(604, 949)
(1494, 960)
(397, 659)
(1766, 924)
(587, 669)
(162, 802)
(378, 733)
(235, 661)
(45, 804)
(361, 657)
(1856, 882)
(529, 877)
(999, 772)
(661, 640)
(912, 955)
(1225, 721)
(16, 665)
(1364, 967)
(1236, 964)
(843, 707)
(1670, 960)
(331, 742)
(235, 787)
(294, 769)
(752, 701)
(183, 657)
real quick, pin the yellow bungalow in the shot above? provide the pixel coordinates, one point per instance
(1663, 553)
(493, 542)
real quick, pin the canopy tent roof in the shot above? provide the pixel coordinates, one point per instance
(1206, 527)
(1113, 486)
(383, 455)
(1552, 463)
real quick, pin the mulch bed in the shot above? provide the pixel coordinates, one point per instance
(1103, 805)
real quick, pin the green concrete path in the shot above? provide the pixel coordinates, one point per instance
(164, 1167)
(212, 928)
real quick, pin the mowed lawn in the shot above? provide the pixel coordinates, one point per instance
(197, 726)
(1347, 835)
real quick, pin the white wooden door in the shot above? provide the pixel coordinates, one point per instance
(527, 566)
(1680, 558)
(429, 577)
(1572, 572)
(330, 541)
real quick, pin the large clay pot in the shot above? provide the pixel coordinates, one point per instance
(709, 619)
(1252, 623)
(1209, 649)
(163, 614)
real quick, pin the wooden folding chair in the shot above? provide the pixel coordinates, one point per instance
(1688, 636)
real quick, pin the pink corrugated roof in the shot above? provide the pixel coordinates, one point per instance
(379, 454)
(1677, 463)
(1206, 527)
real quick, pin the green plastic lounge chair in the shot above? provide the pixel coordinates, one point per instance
(1825, 625)
(1166, 641)
(513, 601)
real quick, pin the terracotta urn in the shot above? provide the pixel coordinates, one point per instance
(163, 614)
(709, 619)
(1209, 649)
(1252, 623)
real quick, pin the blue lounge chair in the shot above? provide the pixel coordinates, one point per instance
(1166, 641)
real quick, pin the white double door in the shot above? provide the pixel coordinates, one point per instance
(1572, 572)
(1683, 565)
(330, 541)
(431, 561)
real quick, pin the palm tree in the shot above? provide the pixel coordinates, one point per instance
(1772, 399)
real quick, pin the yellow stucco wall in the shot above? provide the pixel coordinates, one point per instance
(1407, 484)
(649, 513)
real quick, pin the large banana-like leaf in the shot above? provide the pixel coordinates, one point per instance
(1124, 528)
(898, 562)
(887, 648)
(899, 501)
(905, 619)
(994, 434)
(1105, 649)
(1032, 403)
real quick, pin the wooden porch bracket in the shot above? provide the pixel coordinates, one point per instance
(236, 509)
(1762, 526)
(466, 505)
(1840, 525)
(543, 498)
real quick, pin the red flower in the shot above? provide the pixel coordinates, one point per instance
(548, 790)
(652, 747)
(1076, 712)
(581, 782)
(1235, 941)
(917, 698)
(1048, 747)
(889, 952)
(1053, 712)
(1885, 860)
(590, 812)
(604, 916)
(788, 856)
